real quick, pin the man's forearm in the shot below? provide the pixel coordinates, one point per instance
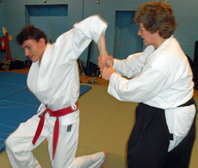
(102, 46)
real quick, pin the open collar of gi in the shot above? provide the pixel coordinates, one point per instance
(47, 56)
(165, 42)
(40, 70)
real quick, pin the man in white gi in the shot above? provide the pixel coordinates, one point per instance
(54, 79)
(160, 79)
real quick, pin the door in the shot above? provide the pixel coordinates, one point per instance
(127, 41)
(52, 19)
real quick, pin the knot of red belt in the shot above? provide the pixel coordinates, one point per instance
(56, 114)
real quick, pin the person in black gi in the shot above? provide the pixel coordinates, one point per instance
(160, 80)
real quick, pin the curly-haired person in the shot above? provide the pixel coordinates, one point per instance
(160, 80)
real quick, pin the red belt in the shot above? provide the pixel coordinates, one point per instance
(56, 114)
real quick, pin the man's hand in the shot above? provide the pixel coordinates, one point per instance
(107, 72)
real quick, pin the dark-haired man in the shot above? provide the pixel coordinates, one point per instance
(54, 79)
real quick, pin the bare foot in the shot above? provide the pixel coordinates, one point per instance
(104, 164)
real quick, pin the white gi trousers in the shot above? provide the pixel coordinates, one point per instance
(19, 146)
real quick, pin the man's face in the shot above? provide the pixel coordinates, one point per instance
(34, 49)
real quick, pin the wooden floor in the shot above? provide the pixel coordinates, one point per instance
(84, 79)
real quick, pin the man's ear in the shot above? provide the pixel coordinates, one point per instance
(42, 41)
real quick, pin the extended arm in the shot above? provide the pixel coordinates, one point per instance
(130, 67)
(104, 60)
(91, 28)
(102, 46)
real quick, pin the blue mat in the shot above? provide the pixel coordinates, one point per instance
(11, 115)
(11, 83)
(13, 78)
(17, 103)
(8, 89)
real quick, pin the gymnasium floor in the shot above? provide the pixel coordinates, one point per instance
(106, 123)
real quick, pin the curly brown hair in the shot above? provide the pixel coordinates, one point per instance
(156, 16)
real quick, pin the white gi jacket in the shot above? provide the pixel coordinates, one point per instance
(56, 82)
(160, 78)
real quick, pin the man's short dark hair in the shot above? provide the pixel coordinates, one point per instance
(30, 32)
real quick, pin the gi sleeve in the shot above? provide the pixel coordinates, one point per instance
(129, 67)
(140, 88)
(132, 66)
(86, 31)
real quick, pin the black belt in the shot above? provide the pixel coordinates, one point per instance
(188, 103)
